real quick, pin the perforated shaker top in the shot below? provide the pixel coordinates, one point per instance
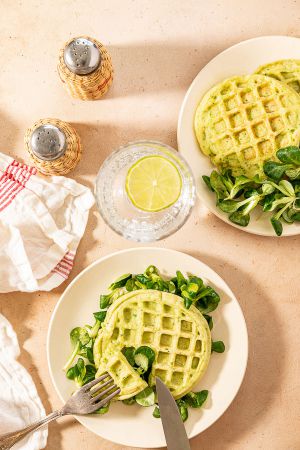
(48, 142)
(82, 56)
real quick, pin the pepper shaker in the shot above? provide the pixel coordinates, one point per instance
(54, 146)
(85, 68)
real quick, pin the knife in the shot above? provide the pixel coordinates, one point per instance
(174, 429)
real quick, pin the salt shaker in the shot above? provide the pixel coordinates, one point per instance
(54, 146)
(85, 68)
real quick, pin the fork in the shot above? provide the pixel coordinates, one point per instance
(86, 400)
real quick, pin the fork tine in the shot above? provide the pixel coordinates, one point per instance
(96, 388)
(102, 393)
(96, 381)
(108, 398)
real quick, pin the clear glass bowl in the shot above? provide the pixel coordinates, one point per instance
(118, 211)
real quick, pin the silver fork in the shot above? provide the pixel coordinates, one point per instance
(86, 400)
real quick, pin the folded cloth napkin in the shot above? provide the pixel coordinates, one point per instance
(41, 223)
(20, 404)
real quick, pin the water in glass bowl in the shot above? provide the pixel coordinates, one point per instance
(145, 191)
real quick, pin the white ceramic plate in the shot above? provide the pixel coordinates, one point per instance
(134, 425)
(243, 58)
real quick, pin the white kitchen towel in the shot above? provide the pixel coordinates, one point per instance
(41, 223)
(20, 404)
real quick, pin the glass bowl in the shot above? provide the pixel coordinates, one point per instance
(118, 211)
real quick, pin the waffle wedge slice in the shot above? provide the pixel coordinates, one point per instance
(180, 337)
(242, 122)
(123, 374)
(286, 70)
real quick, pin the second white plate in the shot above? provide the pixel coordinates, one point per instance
(134, 425)
(241, 59)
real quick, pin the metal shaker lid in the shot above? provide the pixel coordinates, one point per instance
(82, 56)
(48, 142)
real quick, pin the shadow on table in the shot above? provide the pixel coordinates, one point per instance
(17, 305)
(100, 140)
(156, 67)
(265, 364)
(55, 429)
(146, 68)
(8, 132)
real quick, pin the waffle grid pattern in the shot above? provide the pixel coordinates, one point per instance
(180, 337)
(243, 121)
(87, 87)
(287, 71)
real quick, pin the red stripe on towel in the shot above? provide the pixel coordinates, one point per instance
(13, 181)
(65, 265)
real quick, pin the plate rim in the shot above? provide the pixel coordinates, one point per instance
(141, 249)
(214, 210)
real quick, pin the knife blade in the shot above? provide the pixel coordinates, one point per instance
(174, 429)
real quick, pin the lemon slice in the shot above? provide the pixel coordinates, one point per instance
(153, 183)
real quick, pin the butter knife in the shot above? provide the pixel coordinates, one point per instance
(174, 429)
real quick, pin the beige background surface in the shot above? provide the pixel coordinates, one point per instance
(157, 48)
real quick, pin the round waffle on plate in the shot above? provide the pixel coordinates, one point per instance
(180, 338)
(242, 122)
(285, 70)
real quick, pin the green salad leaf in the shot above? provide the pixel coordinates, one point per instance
(144, 357)
(79, 337)
(89, 374)
(218, 347)
(277, 225)
(81, 373)
(208, 300)
(105, 301)
(87, 352)
(240, 218)
(183, 409)
(151, 270)
(94, 330)
(239, 196)
(146, 397)
(129, 352)
(141, 359)
(102, 410)
(120, 282)
(206, 180)
(156, 412)
(209, 321)
(100, 315)
(196, 399)
(289, 155)
(289, 164)
(293, 174)
(129, 401)
(275, 171)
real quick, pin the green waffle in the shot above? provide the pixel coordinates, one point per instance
(286, 70)
(242, 121)
(180, 338)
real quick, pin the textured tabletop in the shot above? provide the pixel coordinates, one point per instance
(157, 48)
